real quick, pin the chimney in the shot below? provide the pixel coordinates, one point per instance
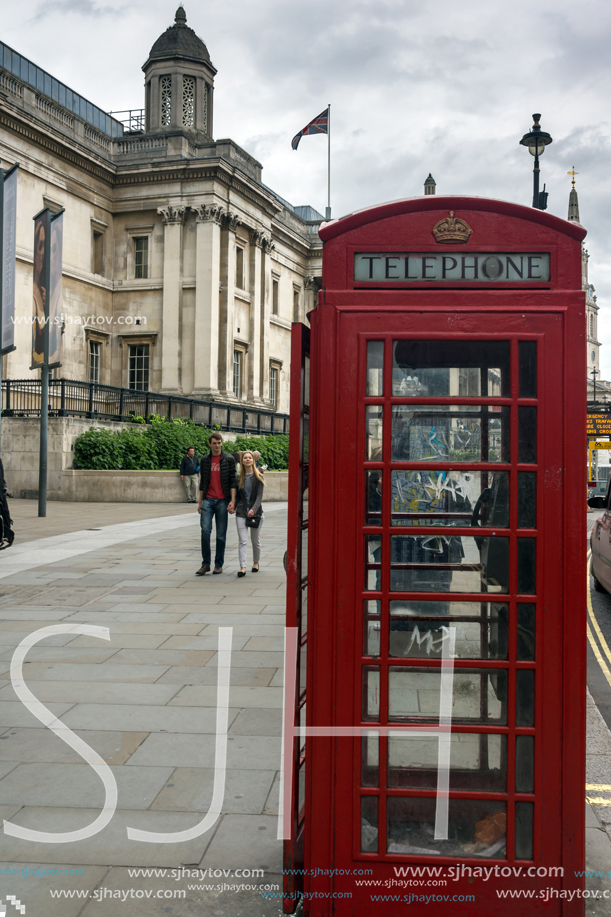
(429, 185)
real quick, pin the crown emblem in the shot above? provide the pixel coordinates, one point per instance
(452, 229)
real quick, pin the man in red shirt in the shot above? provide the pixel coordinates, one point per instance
(217, 492)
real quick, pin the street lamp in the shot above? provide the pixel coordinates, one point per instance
(536, 140)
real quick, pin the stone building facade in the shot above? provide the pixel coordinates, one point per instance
(593, 344)
(182, 271)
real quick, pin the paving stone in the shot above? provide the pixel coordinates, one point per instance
(123, 641)
(163, 657)
(265, 644)
(102, 672)
(278, 679)
(78, 656)
(69, 595)
(30, 883)
(272, 803)
(256, 722)
(111, 846)
(190, 789)
(133, 718)
(15, 713)
(245, 841)
(251, 630)
(14, 637)
(188, 750)
(230, 616)
(205, 696)
(92, 692)
(202, 643)
(188, 675)
(243, 659)
(136, 606)
(42, 745)
(79, 785)
(108, 617)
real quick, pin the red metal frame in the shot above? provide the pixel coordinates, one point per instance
(347, 316)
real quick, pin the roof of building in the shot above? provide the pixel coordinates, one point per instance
(179, 41)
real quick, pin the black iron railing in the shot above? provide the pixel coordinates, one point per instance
(70, 398)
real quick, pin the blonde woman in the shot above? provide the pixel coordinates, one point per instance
(249, 511)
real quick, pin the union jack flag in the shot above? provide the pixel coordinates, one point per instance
(320, 125)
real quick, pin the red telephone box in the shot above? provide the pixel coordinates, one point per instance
(442, 560)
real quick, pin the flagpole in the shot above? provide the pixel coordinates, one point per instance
(328, 212)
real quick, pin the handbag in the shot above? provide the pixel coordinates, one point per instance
(252, 522)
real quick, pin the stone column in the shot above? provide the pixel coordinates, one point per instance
(173, 218)
(227, 311)
(207, 299)
(255, 331)
(266, 293)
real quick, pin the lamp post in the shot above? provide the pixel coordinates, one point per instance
(536, 140)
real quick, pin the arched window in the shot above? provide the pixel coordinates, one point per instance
(591, 326)
(166, 100)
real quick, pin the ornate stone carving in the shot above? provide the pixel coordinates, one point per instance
(256, 237)
(231, 220)
(313, 283)
(207, 212)
(267, 245)
(173, 213)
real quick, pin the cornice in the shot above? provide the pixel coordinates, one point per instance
(56, 144)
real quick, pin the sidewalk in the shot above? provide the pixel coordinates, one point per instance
(146, 702)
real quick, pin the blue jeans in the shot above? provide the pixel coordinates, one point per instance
(216, 509)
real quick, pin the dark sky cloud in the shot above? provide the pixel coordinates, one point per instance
(415, 87)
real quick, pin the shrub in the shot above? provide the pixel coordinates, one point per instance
(162, 444)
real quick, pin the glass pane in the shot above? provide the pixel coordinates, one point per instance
(527, 500)
(304, 611)
(301, 783)
(462, 498)
(418, 638)
(479, 695)
(304, 553)
(527, 566)
(448, 563)
(525, 697)
(420, 607)
(527, 435)
(524, 830)
(305, 444)
(372, 628)
(303, 660)
(373, 427)
(448, 433)
(373, 497)
(476, 827)
(527, 352)
(369, 824)
(525, 764)
(306, 381)
(373, 562)
(451, 368)
(371, 693)
(370, 753)
(375, 367)
(477, 761)
(306, 495)
(526, 633)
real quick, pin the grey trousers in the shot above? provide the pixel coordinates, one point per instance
(191, 482)
(255, 537)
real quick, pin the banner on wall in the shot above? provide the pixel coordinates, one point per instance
(9, 236)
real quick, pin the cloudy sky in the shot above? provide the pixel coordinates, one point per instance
(414, 86)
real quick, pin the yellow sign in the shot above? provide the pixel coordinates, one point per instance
(602, 445)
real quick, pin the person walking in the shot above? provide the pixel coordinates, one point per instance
(217, 493)
(249, 511)
(189, 468)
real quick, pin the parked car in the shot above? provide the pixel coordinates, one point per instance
(600, 542)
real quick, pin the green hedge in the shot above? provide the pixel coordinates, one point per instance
(161, 445)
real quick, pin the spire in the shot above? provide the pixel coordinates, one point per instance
(429, 185)
(573, 199)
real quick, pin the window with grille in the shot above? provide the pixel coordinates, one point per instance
(237, 373)
(166, 100)
(141, 259)
(273, 386)
(592, 327)
(139, 367)
(188, 101)
(94, 361)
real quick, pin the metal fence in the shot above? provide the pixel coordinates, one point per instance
(69, 398)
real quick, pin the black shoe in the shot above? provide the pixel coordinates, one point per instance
(255, 570)
(241, 572)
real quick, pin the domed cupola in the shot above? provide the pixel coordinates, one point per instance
(179, 80)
